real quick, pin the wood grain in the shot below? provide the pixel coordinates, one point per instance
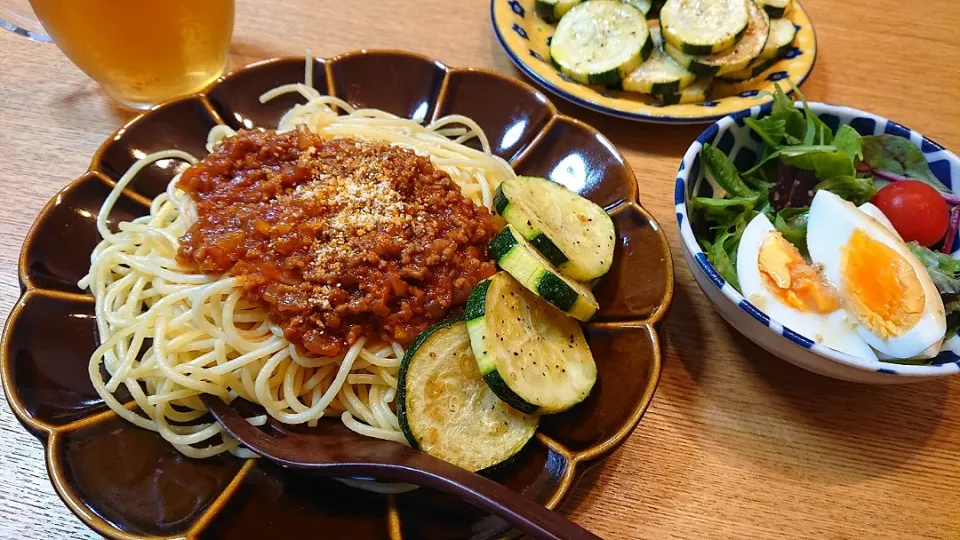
(737, 443)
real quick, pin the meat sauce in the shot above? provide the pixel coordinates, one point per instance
(336, 239)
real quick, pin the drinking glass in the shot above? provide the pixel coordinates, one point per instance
(141, 52)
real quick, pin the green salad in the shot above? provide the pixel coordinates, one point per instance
(802, 156)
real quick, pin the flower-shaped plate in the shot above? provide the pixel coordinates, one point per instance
(126, 482)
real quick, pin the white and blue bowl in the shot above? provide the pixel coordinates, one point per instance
(731, 135)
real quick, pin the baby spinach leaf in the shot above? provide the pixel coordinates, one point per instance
(728, 219)
(763, 206)
(793, 213)
(826, 163)
(762, 176)
(757, 182)
(848, 141)
(724, 172)
(817, 131)
(723, 261)
(899, 156)
(764, 173)
(770, 128)
(795, 126)
(722, 252)
(723, 211)
(852, 188)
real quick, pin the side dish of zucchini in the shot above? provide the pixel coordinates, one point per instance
(471, 390)
(673, 50)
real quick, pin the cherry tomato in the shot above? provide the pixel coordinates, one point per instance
(917, 211)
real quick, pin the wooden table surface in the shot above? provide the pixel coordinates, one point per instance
(737, 443)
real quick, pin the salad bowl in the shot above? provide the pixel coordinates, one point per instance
(744, 148)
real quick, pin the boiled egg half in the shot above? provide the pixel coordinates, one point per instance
(896, 305)
(877, 214)
(778, 281)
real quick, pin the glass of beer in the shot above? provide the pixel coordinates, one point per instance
(141, 52)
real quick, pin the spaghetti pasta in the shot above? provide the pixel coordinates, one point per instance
(169, 333)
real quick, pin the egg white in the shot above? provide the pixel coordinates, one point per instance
(877, 214)
(831, 222)
(929, 353)
(836, 330)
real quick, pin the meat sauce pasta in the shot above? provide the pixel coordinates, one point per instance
(227, 288)
(345, 265)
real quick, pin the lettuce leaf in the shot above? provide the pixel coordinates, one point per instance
(722, 251)
(855, 189)
(722, 254)
(727, 218)
(724, 211)
(944, 270)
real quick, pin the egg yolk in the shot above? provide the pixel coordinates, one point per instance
(881, 287)
(791, 280)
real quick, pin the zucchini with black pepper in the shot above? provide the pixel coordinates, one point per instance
(601, 41)
(702, 27)
(755, 68)
(532, 356)
(515, 255)
(553, 10)
(660, 74)
(734, 59)
(695, 93)
(694, 64)
(782, 34)
(446, 408)
(572, 233)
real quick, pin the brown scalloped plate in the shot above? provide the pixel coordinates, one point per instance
(126, 482)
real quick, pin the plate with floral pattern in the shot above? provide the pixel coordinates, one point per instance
(525, 37)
